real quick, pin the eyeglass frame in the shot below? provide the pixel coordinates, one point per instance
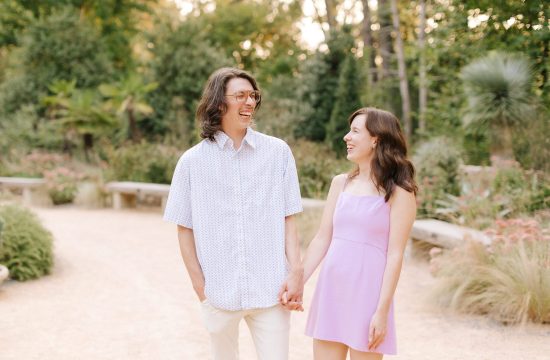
(248, 95)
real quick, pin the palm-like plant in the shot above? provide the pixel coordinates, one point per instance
(128, 98)
(78, 111)
(499, 98)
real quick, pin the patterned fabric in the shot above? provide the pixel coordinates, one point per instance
(236, 202)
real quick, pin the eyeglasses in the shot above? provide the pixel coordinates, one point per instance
(242, 96)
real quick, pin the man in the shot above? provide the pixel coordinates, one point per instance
(233, 197)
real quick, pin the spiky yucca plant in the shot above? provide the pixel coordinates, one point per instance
(498, 87)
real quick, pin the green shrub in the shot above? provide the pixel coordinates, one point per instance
(143, 162)
(508, 280)
(437, 163)
(317, 165)
(26, 245)
(490, 193)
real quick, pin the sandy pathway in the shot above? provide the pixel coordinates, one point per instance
(119, 291)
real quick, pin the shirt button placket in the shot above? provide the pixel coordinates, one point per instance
(243, 281)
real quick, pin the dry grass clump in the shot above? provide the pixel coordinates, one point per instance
(508, 280)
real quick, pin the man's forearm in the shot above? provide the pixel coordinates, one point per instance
(292, 247)
(190, 259)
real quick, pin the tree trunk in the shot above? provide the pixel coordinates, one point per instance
(368, 50)
(133, 130)
(501, 144)
(403, 82)
(88, 141)
(384, 39)
(422, 86)
(331, 14)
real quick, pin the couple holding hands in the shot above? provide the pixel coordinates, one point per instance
(234, 196)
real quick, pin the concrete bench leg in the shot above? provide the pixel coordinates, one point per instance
(117, 201)
(27, 196)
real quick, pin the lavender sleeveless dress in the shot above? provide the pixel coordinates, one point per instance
(350, 281)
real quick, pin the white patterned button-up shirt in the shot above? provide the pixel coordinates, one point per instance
(236, 202)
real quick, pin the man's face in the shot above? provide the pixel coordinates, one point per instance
(239, 113)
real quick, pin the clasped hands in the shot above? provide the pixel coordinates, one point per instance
(291, 294)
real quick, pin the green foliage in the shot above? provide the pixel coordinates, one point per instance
(347, 101)
(57, 47)
(26, 247)
(127, 100)
(498, 91)
(532, 143)
(476, 147)
(13, 18)
(260, 36)
(322, 74)
(116, 21)
(23, 131)
(437, 163)
(490, 193)
(79, 112)
(455, 42)
(183, 59)
(317, 165)
(508, 281)
(142, 162)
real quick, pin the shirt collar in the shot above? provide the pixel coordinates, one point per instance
(221, 138)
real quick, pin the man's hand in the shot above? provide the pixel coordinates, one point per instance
(199, 290)
(291, 293)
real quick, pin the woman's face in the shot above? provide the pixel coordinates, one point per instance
(360, 144)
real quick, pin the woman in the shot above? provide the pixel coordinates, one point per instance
(365, 226)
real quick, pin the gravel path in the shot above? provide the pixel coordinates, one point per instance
(119, 290)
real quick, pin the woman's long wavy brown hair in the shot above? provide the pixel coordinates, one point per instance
(212, 105)
(390, 166)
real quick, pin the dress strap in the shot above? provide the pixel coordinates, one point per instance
(345, 183)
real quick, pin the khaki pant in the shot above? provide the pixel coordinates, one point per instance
(269, 328)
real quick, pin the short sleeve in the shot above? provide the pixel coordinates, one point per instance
(178, 205)
(293, 200)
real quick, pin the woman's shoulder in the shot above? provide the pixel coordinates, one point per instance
(340, 179)
(400, 194)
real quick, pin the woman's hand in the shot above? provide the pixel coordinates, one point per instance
(377, 330)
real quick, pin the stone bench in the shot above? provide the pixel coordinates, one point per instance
(26, 185)
(125, 193)
(444, 234)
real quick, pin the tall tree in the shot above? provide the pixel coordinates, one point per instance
(330, 6)
(368, 49)
(403, 80)
(346, 102)
(182, 59)
(384, 38)
(60, 46)
(422, 82)
(323, 73)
